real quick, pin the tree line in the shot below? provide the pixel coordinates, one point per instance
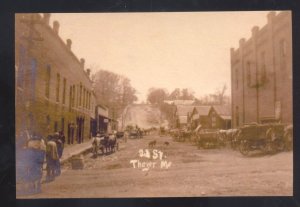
(159, 95)
(113, 91)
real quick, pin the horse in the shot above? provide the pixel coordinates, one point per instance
(112, 143)
(97, 143)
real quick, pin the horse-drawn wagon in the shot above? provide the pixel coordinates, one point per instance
(268, 138)
(209, 138)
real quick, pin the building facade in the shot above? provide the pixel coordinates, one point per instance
(261, 73)
(53, 89)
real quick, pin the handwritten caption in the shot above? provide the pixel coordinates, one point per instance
(154, 159)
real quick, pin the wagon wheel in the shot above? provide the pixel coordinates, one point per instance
(244, 147)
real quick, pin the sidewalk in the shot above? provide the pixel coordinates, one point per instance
(75, 149)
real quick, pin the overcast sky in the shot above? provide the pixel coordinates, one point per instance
(167, 50)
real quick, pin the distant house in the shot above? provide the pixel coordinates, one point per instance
(199, 116)
(220, 117)
(181, 115)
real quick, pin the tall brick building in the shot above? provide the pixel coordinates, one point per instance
(261, 73)
(53, 89)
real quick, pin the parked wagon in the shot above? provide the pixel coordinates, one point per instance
(268, 138)
(209, 138)
(182, 135)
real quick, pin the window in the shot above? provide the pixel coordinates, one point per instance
(73, 95)
(64, 91)
(70, 98)
(89, 104)
(263, 68)
(237, 78)
(20, 78)
(55, 126)
(237, 116)
(63, 124)
(33, 77)
(57, 86)
(283, 48)
(48, 121)
(248, 70)
(213, 121)
(47, 81)
(83, 102)
(80, 93)
(283, 53)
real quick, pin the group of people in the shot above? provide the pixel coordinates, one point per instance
(32, 151)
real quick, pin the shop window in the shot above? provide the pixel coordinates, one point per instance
(55, 126)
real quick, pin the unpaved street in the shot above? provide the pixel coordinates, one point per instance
(193, 172)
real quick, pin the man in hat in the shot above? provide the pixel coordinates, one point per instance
(36, 155)
(51, 158)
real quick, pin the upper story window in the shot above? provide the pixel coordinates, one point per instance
(47, 81)
(236, 79)
(73, 96)
(33, 77)
(57, 86)
(70, 97)
(80, 94)
(20, 73)
(64, 91)
(283, 48)
(263, 68)
(248, 72)
(283, 53)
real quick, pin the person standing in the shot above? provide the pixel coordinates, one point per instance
(59, 140)
(36, 155)
(51, 158)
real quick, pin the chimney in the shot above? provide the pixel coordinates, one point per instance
(231, 51)
(255, 30)
(82, 62)
(46, 18)
(69, 44)
(88, 72)
(56, 27)
(242, 41)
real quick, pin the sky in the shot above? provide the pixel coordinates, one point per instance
(163, 49)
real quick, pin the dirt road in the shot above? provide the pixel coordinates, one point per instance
(192, 172)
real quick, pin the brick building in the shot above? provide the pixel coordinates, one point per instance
(261, 73)
(53, 90)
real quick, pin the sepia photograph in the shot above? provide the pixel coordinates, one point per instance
(153, 104)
